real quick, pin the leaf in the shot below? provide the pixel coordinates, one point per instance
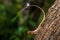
(2, 7)
(33, 24)
(21, 29)
(18, 14)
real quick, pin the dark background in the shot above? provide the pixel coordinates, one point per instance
(15, 24)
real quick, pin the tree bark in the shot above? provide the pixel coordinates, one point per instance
(50, 28)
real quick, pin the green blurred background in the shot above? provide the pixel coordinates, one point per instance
(15, 24)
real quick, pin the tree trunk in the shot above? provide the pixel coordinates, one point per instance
(50, 28)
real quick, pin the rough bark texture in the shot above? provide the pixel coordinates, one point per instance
(50, 28)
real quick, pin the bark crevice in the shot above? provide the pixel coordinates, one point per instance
(50, 28)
